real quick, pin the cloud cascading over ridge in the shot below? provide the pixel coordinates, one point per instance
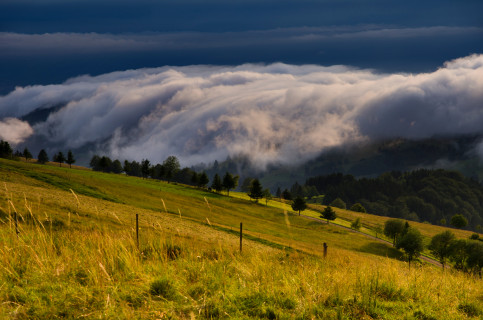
(273, 113)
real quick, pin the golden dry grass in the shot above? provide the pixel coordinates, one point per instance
(76, 257)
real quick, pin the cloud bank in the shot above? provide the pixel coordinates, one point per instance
(275, 113)
(60, 43)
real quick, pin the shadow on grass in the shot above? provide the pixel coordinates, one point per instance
(381, 249)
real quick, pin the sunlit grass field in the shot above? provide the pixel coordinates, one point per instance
(76, 256)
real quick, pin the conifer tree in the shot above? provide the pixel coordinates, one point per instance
(256, 190)
(59, 157)
(70, 158)
(26, 154)
(145, 166)
(203, 180)
(217, 185)
(42, 158)
(229, 182)
(5, 150)
(328, 214)
(299, 204)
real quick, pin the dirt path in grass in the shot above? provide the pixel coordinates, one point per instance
(424, 258)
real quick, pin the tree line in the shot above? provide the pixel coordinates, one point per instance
(170, 170)
(6, 152)
(465, 254)
(423, 195)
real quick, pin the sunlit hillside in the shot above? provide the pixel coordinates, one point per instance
(69, 250)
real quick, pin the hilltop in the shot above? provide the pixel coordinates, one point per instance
(76, 256)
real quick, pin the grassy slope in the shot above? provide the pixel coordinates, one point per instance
(369, 221)
(49, 272)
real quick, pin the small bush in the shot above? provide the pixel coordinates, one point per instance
(422, 316)
(57, 224)
(81, 277)
(270, 314)
(257, 305)
(356, 224)
(18, 295)
(287, 303)
(134, 300)
(172, 251)
(211, 310)
(389, 292)
(357, 207)
(211, 254)
(163, 288)
(333, 301)
(196, 292)
(469, 309)
(338, 203)
(475, 236)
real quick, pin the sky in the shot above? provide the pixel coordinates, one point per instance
(277, 80)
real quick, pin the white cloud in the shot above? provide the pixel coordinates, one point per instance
(14, 130)
(271, 113)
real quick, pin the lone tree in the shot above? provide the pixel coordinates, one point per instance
(267, 195)
(458, 221)
(299, 204)
(393, 228)
(356, 224)
(26, 154)
(440, 246)
(229, 182)
(357, 207)
(411, 243)
(328, 214)
(256, 190)
(70, 158)
(171, 166)
(217, 185)
(338, 203)
(42, 158)
(59, 157)
(378, 229)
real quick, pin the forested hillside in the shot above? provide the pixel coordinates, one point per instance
(421, 195)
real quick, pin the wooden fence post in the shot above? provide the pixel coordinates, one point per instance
(325, 249)
(137, 230)
(241, 235)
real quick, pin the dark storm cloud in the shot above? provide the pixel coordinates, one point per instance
(27, 59)
(107, 16)
(48, 41)
(271, 113)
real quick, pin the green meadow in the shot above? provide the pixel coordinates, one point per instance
(74, 254)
